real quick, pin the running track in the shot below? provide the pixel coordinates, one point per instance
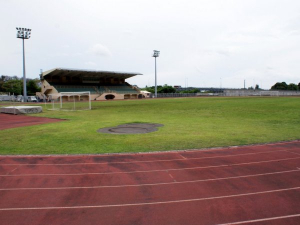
(238, 185)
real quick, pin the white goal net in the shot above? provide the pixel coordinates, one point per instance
(70, 101)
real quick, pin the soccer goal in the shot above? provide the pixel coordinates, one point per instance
(70, 101)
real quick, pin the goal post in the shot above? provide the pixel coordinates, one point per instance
(70, 101)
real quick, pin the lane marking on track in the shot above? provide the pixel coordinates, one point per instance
(261, 220)
(293, 152)
(185, 157)
(150, 203)
(12, 170)
(151, 171)
(147, 161)
(164, 183)
(151, 184)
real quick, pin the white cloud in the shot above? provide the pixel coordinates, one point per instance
(100, 50)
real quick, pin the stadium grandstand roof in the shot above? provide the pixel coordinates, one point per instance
(88, 73)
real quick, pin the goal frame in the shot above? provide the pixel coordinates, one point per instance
(60, 96)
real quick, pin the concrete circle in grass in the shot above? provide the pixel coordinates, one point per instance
(131, 128)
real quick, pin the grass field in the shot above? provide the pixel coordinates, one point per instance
(189, 123)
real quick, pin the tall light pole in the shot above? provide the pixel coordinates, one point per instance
(24, 33)
(155, 54)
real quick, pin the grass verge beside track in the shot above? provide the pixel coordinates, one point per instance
(189, 123)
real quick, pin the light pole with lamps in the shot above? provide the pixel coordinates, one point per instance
(155, 54)
(24, 33)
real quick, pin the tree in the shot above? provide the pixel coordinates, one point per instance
(150, 89)
(166, 89)
(279, 86)
(13, 86)
(32, 87)
(161, 89)
(292, 87)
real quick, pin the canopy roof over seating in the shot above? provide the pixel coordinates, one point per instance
(87, 73)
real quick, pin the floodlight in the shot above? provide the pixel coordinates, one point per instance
(155, 54)
(24, 33)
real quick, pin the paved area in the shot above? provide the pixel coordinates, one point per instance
(238, 185)
(8, 121)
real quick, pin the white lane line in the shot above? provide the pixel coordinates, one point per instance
(12, 170)
(151, 184)
(147, 161)
(185, 157)
(261, 220)
(175, 182)
(290, 151)
(149, 203)
(151, 171)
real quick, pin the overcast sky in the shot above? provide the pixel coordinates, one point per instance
(203, 43)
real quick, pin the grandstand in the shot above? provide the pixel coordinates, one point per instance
(101, 84)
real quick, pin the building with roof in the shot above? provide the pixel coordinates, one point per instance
(101, 84)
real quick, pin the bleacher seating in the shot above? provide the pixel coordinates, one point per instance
(121, 89)
(75, 88)
(102, 89)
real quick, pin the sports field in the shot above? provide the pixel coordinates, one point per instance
(189, 123)
(256, 184)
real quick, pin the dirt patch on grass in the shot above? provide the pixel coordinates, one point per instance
(131, 128)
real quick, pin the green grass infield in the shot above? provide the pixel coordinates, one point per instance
(189, 123)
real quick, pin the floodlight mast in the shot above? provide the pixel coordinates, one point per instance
(24, 33)
(155, 54)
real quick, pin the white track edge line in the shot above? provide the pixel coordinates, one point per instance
(261, 220)
(150, 171)
(234, 147)
(149, 184)
(146, 161)
(148, 203)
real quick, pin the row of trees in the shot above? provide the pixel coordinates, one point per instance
(285, 86)
(278, 86)
(161, 89)
(14, 85)
(168, 89)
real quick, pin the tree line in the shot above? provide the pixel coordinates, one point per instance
(169, 89)
(285, 86)
(14, 85)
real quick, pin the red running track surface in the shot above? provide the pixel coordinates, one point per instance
(237, 185)
(8, 121)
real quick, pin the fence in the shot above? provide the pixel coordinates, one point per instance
(259, 93)
(173, 95)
